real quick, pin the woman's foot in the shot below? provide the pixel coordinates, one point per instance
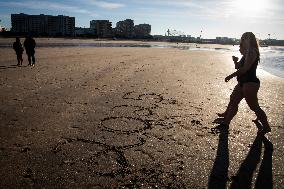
(221, 128)
(221, 114)
(219, 120)
(261, 128)
(255, 120)
(266, 129)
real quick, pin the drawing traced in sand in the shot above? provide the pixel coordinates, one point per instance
(134, 124)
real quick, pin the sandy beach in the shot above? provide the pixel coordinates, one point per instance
(132, 118)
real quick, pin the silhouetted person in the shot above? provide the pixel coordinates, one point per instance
(30, 50)
(18, 47)
(249, 83)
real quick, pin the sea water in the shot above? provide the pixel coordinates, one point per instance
(272, 60)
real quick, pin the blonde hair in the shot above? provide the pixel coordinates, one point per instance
(252, 41)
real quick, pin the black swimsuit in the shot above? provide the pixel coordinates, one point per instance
(241, 62)
(250, 75)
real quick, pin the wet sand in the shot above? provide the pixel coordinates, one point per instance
(80, 42)
(133, 118)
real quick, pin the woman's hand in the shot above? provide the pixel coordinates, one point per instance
(228, 78)
(235, 59)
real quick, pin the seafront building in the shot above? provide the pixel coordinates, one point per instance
(102, 28)
(142, 30)
(47, 25)
(43, 25)
(125, 29)
(225, 40)
(79, 31)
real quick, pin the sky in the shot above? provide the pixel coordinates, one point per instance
(208, 18)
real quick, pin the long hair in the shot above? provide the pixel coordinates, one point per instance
(252, 41)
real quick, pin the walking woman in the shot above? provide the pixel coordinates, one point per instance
(18, 47)
(248, 82)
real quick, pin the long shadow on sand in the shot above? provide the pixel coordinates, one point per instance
(244, 176)
(243, 179)
(264, 178)
(219, 174)
(10, 66)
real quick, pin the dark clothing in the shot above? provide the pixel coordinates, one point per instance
(29, 45)
(31, 58)
(20, 57)
(18, 47)
(250, 75)
(30, 49)
(241, 62)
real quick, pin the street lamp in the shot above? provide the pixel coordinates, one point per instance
(201, 36)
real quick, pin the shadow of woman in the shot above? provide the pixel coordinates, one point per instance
(219, 175)
(243, 179)
(264, 178)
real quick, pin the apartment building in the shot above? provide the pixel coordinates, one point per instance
(125, 28)
(103, 28)
(142, 30)
(43, 25)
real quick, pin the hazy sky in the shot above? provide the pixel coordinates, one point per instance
(213, 17)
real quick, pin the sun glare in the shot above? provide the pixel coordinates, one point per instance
(250, 6)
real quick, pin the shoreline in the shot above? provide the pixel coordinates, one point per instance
(134, 40)
(54, 41)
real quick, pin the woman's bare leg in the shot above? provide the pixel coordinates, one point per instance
(233, 105)
(250, 93)
(232, 98)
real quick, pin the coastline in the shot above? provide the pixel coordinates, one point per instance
(76, 41)
(106, 116)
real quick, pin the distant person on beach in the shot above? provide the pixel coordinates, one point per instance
(248, 82)
(30, 50)
(18, 47)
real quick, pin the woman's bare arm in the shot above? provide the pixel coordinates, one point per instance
(250, 57)
(238, 64)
